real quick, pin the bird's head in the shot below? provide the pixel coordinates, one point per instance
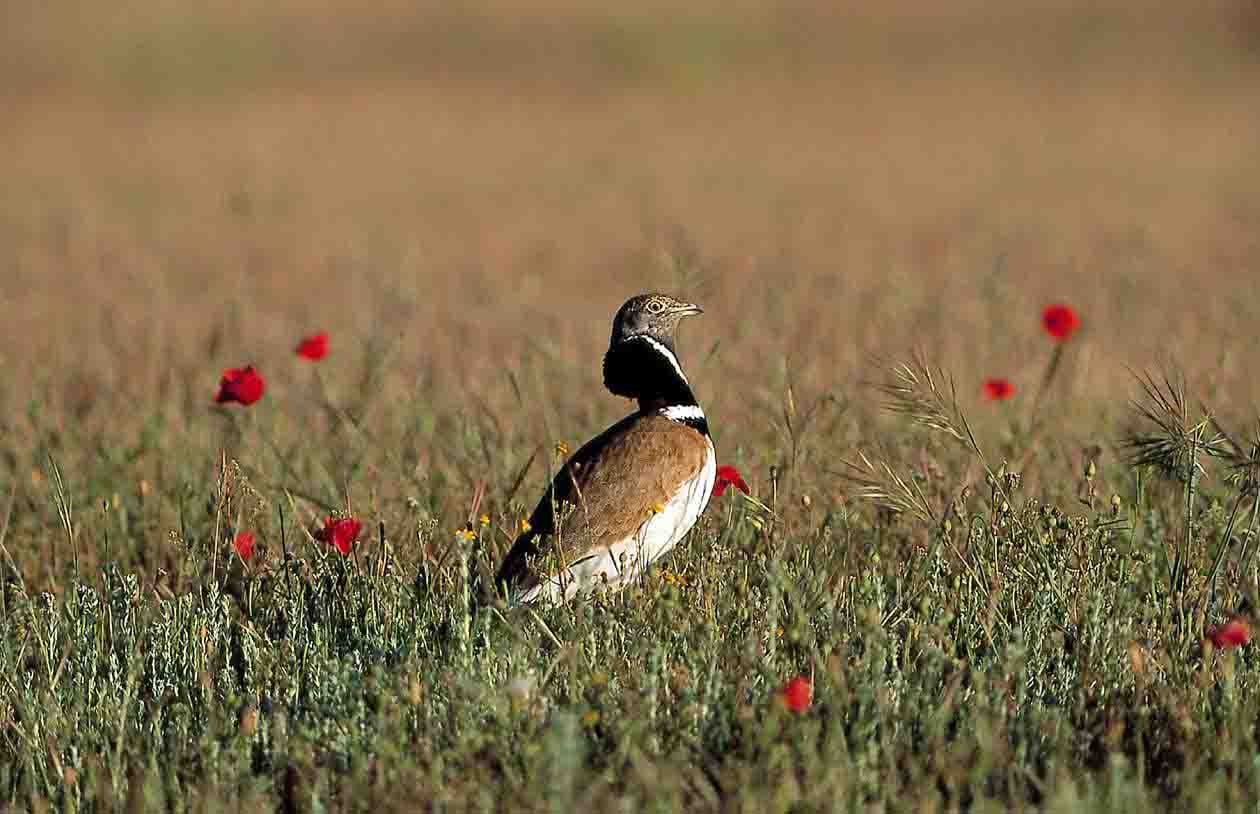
(653, 315)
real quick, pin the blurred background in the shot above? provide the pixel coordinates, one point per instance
(469, 188)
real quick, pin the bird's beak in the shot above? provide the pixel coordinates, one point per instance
(688, 309)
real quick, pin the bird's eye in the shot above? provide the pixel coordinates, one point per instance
(655, 307)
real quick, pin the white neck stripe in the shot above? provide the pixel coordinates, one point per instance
(668, 354)
(683, 412)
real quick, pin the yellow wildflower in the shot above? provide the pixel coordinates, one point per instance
(465, 535)
(525, 526)
(485, 519)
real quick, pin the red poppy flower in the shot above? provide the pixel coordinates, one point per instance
(243, 543)
(243, 385)
(797, 694)
(313, 347)
(1060, 321)
(340, 532)
(1233, 633)
(998, 389)
(728, 476)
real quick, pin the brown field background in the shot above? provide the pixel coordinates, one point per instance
(463, 193)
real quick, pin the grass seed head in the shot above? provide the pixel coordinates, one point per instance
(1243, 462)
(1170, 438)
(876, 481)
(927, 397)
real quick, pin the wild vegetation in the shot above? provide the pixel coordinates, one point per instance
(304, 306)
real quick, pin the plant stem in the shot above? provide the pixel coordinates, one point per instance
(1226, 538)
(1244, 560)
(1051, 369)
(1184, 558)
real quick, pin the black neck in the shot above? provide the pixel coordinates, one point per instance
(646, 369)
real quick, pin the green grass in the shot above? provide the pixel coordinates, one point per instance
(971, 646)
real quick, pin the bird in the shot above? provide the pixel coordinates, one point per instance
(626, 497)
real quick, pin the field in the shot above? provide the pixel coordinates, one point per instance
(1000, 604)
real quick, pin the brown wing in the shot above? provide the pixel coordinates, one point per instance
(605, 492)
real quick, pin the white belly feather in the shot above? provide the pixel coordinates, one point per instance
(625, 561)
